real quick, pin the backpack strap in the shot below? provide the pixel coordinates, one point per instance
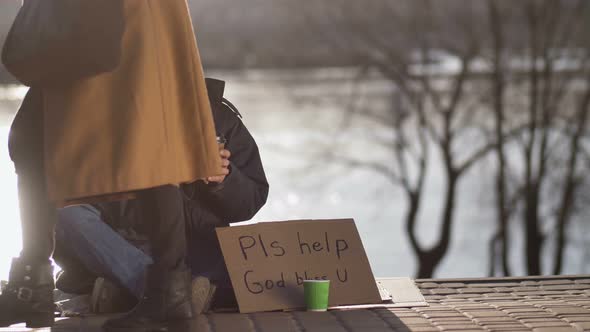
(215, 88)
(231, 107)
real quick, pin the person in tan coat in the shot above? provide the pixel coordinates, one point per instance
(137, 130)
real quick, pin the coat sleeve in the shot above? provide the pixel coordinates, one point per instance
(245, 189)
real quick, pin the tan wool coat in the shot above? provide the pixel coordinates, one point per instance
(147, 123)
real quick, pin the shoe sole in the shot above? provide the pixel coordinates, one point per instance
(137, 329)
(39, 321)
(33, 321)
(202, 294)
(181, 326)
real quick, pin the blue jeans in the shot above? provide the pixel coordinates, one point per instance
(100, 249)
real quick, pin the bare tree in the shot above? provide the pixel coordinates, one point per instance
(550, 30)
(572, 178)
(433, 105)
(499, 241)
(529, 92)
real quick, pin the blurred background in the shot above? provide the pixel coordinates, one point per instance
(455, 132)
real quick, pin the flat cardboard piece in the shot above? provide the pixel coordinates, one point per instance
(402, 290)
(395, 293)
(267, 263)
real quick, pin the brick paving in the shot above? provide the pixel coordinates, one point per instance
(459, 305)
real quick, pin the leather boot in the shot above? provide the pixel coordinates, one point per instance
(74, 282)
(166, 302)
(28, 295)
(108, 298)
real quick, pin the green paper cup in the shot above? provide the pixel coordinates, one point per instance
(316, 294)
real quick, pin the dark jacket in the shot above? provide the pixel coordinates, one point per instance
(237, 198)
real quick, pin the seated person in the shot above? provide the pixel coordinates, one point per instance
(104, 241)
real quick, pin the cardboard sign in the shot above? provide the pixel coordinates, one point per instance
(267, 263)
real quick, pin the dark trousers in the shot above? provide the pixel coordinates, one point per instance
(162, 206)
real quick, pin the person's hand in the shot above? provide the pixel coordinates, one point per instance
(224, 154)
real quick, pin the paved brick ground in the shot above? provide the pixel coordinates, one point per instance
(462, 305)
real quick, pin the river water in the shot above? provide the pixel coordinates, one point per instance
(296, 118)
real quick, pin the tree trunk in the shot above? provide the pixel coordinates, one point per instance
(411, 215)
(567, 200)
(501, 237)
(429, 260)
(533, 236)
(426, 266)
(492, 252)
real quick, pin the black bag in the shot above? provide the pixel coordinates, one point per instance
(59, 41)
